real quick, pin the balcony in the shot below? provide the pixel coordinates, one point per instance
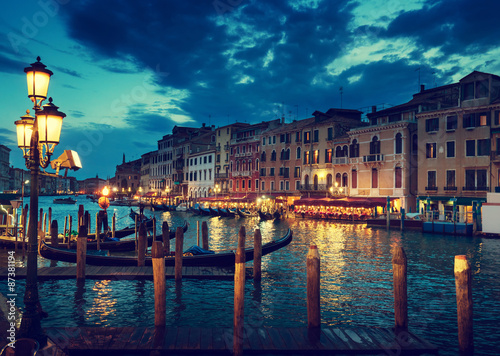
(217, 148)
(221, 175)
(340, 160)
(495, 156)
(431, 188)
(314, 187)
(450, 188)
(242, 174)
(373, 158)
(477, 189)
(226, 147)
(497, 189)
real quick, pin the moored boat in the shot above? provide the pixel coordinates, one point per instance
(67, 200)
(218, 259)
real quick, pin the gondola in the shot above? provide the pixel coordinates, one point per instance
(147, 221)
(218, 259)
(123, 245)
(265, 216)
(213, 212)
(204, 211)
(244, 214)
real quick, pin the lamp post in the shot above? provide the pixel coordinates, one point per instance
(167, 191)
(37, 137)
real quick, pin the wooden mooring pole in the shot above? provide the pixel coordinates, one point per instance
(198, 232)
(65, 229)
(113, 226)
(239, 293)
(81, 252)
(204, 235)
(257, 255)
(141, 245)
(70, 225)
(158, 257)
(154, 229)
(179, 241)
(313, 287)
(54, 239)
(399, 274)
(463, 285)
(165, 234)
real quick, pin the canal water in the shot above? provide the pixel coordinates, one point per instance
(356, 281)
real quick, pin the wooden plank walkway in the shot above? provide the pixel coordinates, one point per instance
(124, 272)
(219, 341)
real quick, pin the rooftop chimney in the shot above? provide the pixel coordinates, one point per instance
(422, 87)
(374, 108)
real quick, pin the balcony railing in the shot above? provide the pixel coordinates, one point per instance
(431, 188)
(497, 189)
(450, 188)
(242, 174)
(221, 175)
(340, 160)
(478, 189)
(495, 156)
(373, 158)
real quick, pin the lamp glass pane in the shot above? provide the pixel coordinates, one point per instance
(40, 85)
(49, 128)
(24, 131)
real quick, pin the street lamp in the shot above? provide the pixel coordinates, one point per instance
(167, 191)
(37, 137)
(216, 190)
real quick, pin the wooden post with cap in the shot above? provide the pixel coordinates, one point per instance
(54, 238)
(158, 261)
(239, 293)
(313, 287)
(463, 285)
(399, 272)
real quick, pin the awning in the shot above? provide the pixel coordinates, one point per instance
(353, 202)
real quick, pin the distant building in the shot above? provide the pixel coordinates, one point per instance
(92, 185)
(128, 176)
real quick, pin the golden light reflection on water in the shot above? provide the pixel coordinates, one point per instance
(103, 305)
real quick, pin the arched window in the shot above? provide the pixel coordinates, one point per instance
(298, 153)
(250, 168)
(306, 181)
(263, 156)
(282, 155)
(231, 166)
(354, 148)
(375, 146)
(398, 177)
(315, 182)
(329, 181)
(354, 179)
(257, 165)
(345, 150)
(399, 143)
(287, 154)
(273, 155)
(345, 180)
(237, 166)
(338, 179)
(338, 152)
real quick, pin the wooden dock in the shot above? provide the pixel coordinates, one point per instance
(124, 273)
(219, 341)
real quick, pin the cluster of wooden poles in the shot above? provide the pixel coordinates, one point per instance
(463, 282)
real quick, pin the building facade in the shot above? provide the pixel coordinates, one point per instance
(4, 168)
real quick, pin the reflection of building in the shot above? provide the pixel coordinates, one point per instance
(4, 167)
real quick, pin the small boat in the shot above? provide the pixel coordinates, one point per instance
(204, 211)
(265, 216)
(218, 259)
(67, 200)
(244, 213)
(121, 245)
(144, 219)
(181, 207)
(213, 212)
(227, 213)
(157, 207)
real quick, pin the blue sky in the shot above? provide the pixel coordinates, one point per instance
(126, 72)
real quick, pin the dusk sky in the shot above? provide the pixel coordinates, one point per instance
(126, 72)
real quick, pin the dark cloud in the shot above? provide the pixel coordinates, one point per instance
(8, 65)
